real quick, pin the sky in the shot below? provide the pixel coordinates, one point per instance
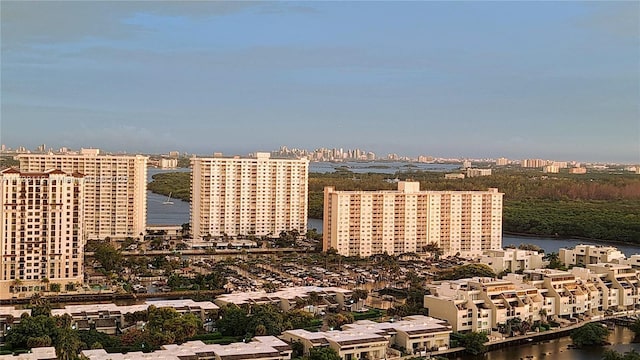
(553, 80)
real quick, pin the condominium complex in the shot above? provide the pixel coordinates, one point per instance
(41, 231)
(471, 172)
(512, 260)
(582, 255)
(248, 196)
(366, 339)
(259, 348)
(115, 204)
(364, 223)
(484, 304)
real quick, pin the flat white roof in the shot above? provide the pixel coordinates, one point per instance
(113, 308)
(251, 350)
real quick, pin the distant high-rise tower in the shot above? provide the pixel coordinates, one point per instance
(115, 187)
(244, 196)
(41, 231)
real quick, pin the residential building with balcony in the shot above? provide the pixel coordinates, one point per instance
(115, 191)
(41, 231)
(623, 278)
(512, 260)
(364, 223)
(259, 348)
(366, 339)
(257, 196)
(582, 255)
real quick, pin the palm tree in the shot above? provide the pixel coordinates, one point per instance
(45, 281)
(16, 285)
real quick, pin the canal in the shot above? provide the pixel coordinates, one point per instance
(559, 349)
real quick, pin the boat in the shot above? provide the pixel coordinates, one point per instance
(168, 202)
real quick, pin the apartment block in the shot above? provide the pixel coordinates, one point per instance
(288, 298)
(551, 169)
(473, 172)
(41, 231)
(366, 339)
(578, 170)
(533, 163)
(115, 192)
(259, 348)
(589, 254)
(624, 279)
(502, 162)
(512, 260)
(107, 318)
(364, 223)
(571, 296)
(248, 196)
(481, 304)
(633, 261)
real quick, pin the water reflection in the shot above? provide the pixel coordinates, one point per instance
(558, 349)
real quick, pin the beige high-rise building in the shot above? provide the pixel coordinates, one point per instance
(243, 196)
(364, 223)
(41, 231)
(115, 203)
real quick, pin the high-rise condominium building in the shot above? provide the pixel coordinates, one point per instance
(245, 196)
(364, 223)
(41, 231)
(115, 203)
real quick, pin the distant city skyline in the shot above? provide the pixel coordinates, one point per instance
(551, 80)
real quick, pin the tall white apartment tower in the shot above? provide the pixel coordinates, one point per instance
(41, 231)
(115, 189)
(364, 223)
(244, 196)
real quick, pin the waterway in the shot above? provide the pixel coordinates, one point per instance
(558, 349)
(178, 213)
(378, 167)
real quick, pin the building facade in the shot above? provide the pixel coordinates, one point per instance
(582, 255)
(366, 339)
(474, 172)
(115, 190)
(512, 260)
(364, 223)
(248, 196)
(41, 231)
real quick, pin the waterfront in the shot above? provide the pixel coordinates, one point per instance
(378, 167)
(559, 349)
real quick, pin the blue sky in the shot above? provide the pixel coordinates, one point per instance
(557, 80)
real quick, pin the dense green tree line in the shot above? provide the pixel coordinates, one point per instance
(178, 184)
(260, 320)
(594, 205)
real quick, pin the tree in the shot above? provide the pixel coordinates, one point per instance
(590, 334)
(473, 342)
(530, 247)
(28, 328)
(39, 306)
(554, 260)
(323, 353)
(635, 327)
(183, 327)
(297, 349)
(472, 270)
(614, 355)
(268, 317)
(67, 344)
(359, 294)
(107, 255)
(433, 248)
(335, 321)
(233, 321)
